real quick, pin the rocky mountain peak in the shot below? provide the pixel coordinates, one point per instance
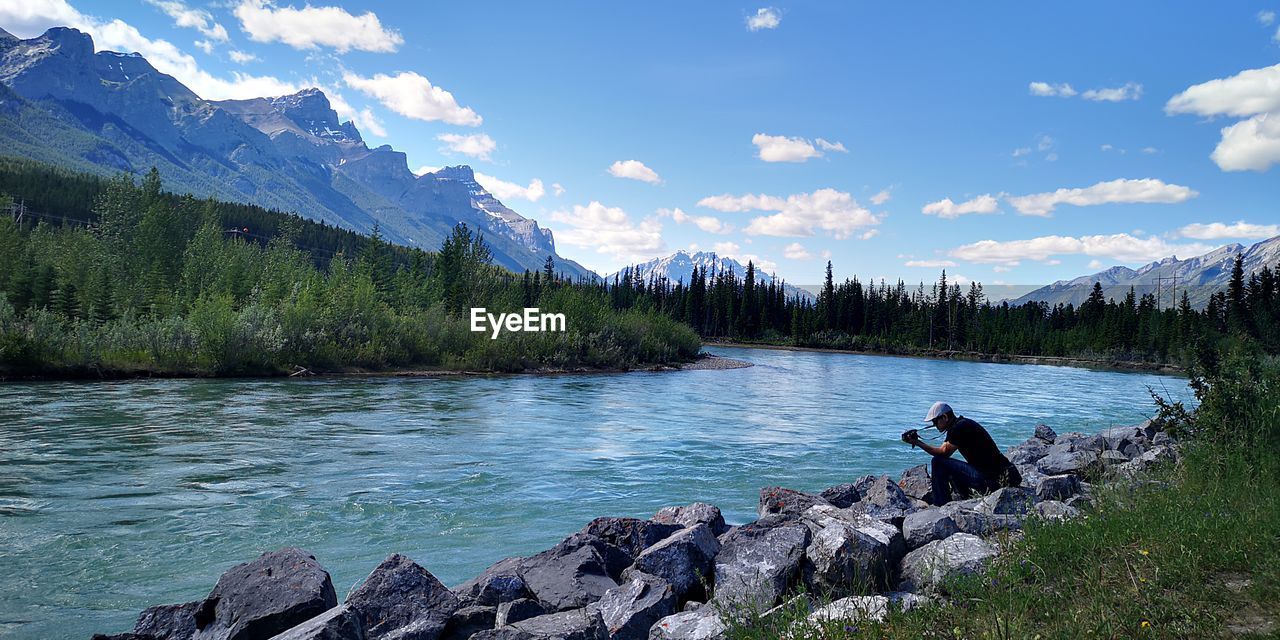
(311, 111)
(69, 42)
(461, 173)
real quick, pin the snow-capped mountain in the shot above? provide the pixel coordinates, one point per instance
(106, 112)
(678, 267)
(1199, 277)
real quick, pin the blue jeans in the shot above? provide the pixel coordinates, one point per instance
(957, 478)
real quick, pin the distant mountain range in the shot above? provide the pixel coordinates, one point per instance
(108, 112)
(1199, 277)
(678, 267)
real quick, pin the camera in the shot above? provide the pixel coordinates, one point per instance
(910, 435)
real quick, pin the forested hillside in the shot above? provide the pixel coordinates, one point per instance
(118, 277)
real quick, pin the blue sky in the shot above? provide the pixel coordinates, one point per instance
(894, 138)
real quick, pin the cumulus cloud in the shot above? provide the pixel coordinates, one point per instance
(785, 149)
(634, 170)
(189, 18)
(1021, 151)
(949, 210)
(764, 18)
(866, 235)
(204, 45)
(312, 27)
(1266, 17)
(800, 214)
(930, 264)
(364, 119)
(1130, 91)
(557, 189)
(710, 224)
(610, 232)
(503, 190)
(1252, 144)
(882, 197)
(241, 57)
(478, 145)
(796, 251)
(30, 19)
(1221, 231)
(1122, 247)
(413, 96)
(1046, 89)
(1116, 191)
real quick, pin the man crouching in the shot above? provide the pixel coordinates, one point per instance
(986, 468)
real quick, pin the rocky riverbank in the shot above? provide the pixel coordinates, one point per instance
(684, 572)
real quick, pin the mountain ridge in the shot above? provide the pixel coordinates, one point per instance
(678, 267)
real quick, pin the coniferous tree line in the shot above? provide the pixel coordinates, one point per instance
(153, 283)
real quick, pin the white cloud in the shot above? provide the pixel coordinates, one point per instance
(1093, 264)
(413, 96)
(30, 19)
(186, 17)
(949, 210)
(364, 119)
(610, 232)
(866, 235)
(1001, 269)
(634, 170)
(930, 264)
(1150, 150)
(1266, 17)
(1045, 89)
(882, 197)
(1115, 191)
(1251, 144)
(796, 251)
(1021, 151)
(503, 190)
(478, 145)
(1044, 143)
(311, 27)
(1121, 247)
(1106, 147)
(1220, 231)
(800, 214)
(726, 248)
(710, 224)
(784, 149)
(240, 57)
(204, 45)
(425, 169)
(557, 189)
(764, 18)
(1130, 91)
(826, 253)
(1051, 157)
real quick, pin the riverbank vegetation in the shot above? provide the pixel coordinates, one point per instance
(116, 277)
(1189, 552)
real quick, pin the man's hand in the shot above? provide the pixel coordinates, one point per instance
(911, 437)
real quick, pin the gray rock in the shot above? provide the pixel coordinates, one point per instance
(925, 526)
(864, 608)
(338, 623)
(915, 482)
(1133, 450)
(757, 565)
(1159, 453)
(883, 499)
(1055, 510)
(1008, 501)
(504, 633)
(501, 582)
(1075, 462)
(929, 567)
(1046, 433)
(703, 624)
(168, 621)
(692, 605)
(970, 520)
(470, 620)
(517, 611)
(261, 598)
(565, 578)
(1162, 438)
(1079, 502)
(842, 495)
(630, 610)
(685, 560)
(780, 500)
(1031, 476)
(614, 557)
(849, 551)
(398, 594)
(1111, 458)
(1058, 487)
(1117, 438)
(577, 624)
(1028, 452)
(689, 515)
(633, 535)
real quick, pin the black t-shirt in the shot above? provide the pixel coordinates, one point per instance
(977, 447)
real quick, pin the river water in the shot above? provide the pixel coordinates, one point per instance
(118, 495)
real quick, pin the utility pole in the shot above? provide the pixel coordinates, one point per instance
(1173, 289)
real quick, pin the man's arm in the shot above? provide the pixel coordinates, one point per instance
(945, 449)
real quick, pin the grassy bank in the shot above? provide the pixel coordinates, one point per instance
(1194, 554)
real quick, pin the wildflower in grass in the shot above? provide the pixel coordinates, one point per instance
(1145, 624)
(1144, 552)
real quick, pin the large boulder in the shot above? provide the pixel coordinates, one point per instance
(883, 499)
(1059, 461)
(518, 610)
(915, 482)
(692, 514)
(1028, 452)
(849, 551)
(632, 535)
(842, 495)
(1008, 501)
(577, 624)
(685, 560)
(1117, 438)
(702, 624)
(614, 557)
(266, 596)
(757, 565)
(400, 594)
(338, 623)
(783, 501)
(971, 518)
(925, 526)
(864, 608)
(565, 578)
(929, 567)
(470, 620)
(1058, 487)
(630, 610)
(1055, 510)
(500, 583)
(168, 621)
(1045, 433)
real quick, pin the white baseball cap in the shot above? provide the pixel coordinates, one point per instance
(936, 410)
